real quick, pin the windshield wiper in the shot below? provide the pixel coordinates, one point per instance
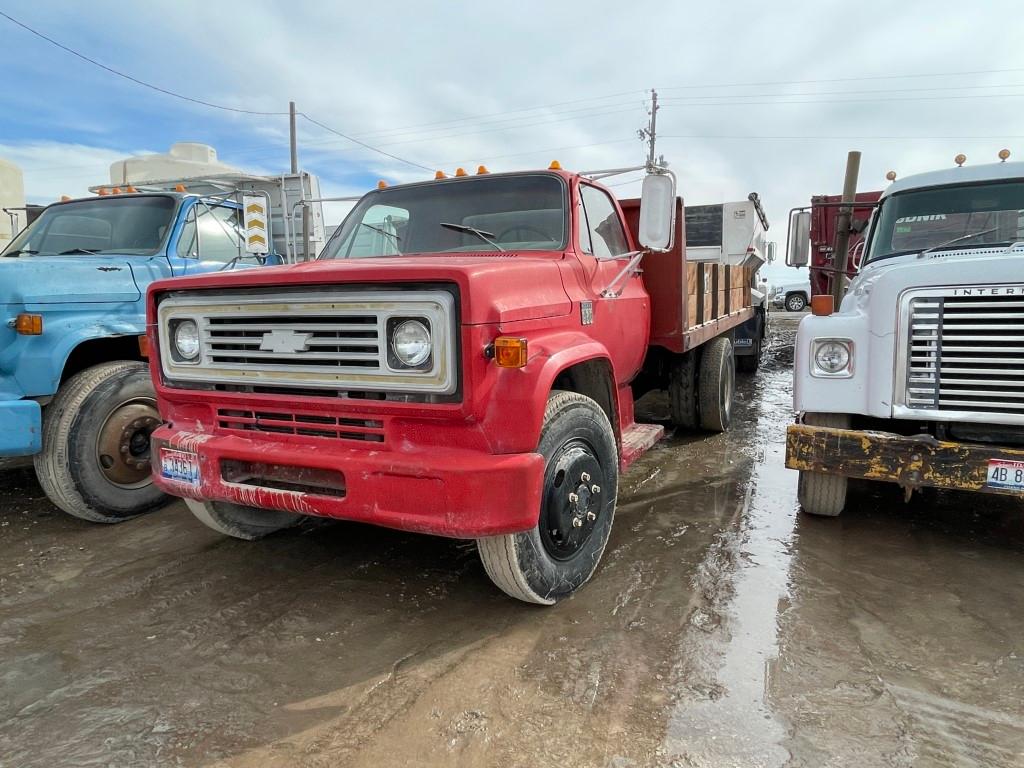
(384, 232)
(487, 237)
(71, 251)
(971, 236)
(18, 252)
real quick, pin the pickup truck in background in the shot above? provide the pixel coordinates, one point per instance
(918, 379)
(462, 360)
(75, 392)
(793, 296)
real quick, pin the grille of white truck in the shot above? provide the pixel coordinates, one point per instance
(965, 351)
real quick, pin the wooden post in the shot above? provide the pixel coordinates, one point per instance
(843, 221)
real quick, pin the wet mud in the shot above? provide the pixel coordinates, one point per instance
(724, 628)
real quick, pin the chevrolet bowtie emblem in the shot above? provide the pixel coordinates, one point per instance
(285, 342)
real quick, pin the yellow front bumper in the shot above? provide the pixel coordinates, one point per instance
(912, 462)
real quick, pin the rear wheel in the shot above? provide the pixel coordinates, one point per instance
(822, 494)
(581, 475)
(682, 390)
(716, 384)
(240, 522)
(796, 302)
(95, 458)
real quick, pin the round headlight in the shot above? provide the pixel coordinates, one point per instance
(832, 356)
(186, 340)
(411, 343)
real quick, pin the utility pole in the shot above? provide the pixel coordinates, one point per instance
(292, 139)
(843, 222)
(650, 133)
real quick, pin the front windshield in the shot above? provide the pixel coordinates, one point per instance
(481, 213)
(962, 216)
(129, 225)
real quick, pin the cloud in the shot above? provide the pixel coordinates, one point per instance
(52, 169)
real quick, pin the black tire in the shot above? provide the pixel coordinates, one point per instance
(820, 494)
(716, 383)
(558, 556)
(796, 302)
(95, 458)
(240, 522)
(682, 390)
(750, 363)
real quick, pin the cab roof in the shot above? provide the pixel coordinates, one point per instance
(967, 174)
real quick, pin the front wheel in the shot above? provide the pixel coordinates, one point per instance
(716, 383)
(95, 458)
(796, 302)
(240, 522)
(581, 475)
(820, 494)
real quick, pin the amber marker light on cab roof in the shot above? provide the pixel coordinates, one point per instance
(891, 176)
(29, 325)
(481, 170)
(555, 166)
(382, 184)
(823, 305)
(960, 159)
(102, 191)
(179, 187)
(440, 175)
(1004, 155)
(461, 172)
(510, 352)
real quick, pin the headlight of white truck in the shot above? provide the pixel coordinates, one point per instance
(832, 358)
(185, 340)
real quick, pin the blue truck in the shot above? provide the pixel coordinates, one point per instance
(75, 391)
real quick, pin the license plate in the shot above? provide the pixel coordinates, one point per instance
(179, 465)
(1006, 474)
(744, 342)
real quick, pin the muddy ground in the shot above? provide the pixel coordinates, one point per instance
(723, 629)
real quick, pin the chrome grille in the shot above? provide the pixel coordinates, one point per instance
(302, 339)
(301, 424)
(966, 352)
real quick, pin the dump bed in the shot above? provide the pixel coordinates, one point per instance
(691, 302)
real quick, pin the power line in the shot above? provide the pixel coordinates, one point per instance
(845, 138)
(844, 101)
(844, 79)
(201, 102)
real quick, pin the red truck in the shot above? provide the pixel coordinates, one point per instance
(819, 225)
(462, 360)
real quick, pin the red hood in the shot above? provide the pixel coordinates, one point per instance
(494, 288)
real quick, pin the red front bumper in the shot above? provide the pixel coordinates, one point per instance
(442, 491)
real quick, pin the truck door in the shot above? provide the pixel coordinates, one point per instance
(210, 239)
(622, 320)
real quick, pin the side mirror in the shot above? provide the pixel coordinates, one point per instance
(798, 251)
(658, 212)
(771, 253)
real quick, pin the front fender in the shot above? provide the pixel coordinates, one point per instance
(34, 364)
(514, 409)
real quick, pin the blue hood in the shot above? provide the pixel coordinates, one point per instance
(96, 278)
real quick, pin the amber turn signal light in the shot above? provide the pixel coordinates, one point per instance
(144, 346)
(823, 305)
(29, 325)
(510, 352)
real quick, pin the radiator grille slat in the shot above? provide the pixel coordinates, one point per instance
(966, 354)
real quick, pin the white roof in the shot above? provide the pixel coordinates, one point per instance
(958, 175)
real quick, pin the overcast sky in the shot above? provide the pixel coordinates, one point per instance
(756, 96)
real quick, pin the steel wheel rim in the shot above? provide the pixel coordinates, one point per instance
(573, 499)
(122, 443)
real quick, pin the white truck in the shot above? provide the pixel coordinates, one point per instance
(918, 379)
(793, 296)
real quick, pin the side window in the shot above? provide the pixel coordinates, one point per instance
(582, 228)
(607, 238)
(381, 232)
(219, 232)
(187, 244)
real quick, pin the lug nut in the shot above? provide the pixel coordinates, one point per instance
(595, 489)
(585, 477)
(577, 522)
(591, 516)
(573, 498)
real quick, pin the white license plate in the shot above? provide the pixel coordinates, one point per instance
(179, 465)
(744, 342)
(1006, 474)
